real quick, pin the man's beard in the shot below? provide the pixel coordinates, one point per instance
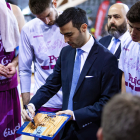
(118, 31)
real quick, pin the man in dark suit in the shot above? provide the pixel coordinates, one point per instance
(87, 73)
(117, 28)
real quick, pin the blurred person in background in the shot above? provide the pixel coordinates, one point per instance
(130, 56)
(121, 118)
(11, 22)
(40, 43)
(105, 31)
(117, 28)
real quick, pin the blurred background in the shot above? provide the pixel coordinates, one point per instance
(96, 11)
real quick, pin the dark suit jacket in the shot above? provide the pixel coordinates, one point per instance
(91, 93)
(106, 41)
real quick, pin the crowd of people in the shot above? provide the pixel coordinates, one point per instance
(97, 83)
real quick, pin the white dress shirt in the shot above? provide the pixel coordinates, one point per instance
(86, 48)
(121, 38)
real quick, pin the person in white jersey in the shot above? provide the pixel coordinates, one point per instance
(130, 57)
(41, 43)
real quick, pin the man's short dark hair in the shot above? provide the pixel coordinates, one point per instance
(133, 14)
(76, 15)
(39, 6)
(121, 118)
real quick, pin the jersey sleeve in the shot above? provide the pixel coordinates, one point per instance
(25, 62)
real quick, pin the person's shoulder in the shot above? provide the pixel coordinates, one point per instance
(105, 38)
(129, 44)
(103, 51)
(15, 9)
(100, 46)
(67, 48)
(32, 24)
(104, 56)
(19, 16)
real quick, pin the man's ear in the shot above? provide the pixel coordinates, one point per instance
(100, 134)
(84, 27)
(54, 3)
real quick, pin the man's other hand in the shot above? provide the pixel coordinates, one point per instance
(68, 112)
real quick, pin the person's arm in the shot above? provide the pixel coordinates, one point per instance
(121, 67)
(45, 92)
(25, 98)
(25, 62)
(123, 89)
(19, 16)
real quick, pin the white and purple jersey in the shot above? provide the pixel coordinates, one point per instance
(10, 112)
(129, 63)
(41, 44)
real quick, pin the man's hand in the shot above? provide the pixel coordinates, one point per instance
(69, 112)
(12, 70)
(4, 71)
(25, 115)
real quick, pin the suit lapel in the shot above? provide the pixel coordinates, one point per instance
(107, 42)
(90, 60)
(117, 53)
(71, 60)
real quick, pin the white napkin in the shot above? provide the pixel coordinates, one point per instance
(8, 27)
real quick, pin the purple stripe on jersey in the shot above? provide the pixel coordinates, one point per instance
(45, 67)
(47, 109)
(8, 5)
(52, 66)
(137, 89)
(126, 83)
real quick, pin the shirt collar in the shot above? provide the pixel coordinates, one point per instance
(87, 47)
(123, 37)
(45, 27)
